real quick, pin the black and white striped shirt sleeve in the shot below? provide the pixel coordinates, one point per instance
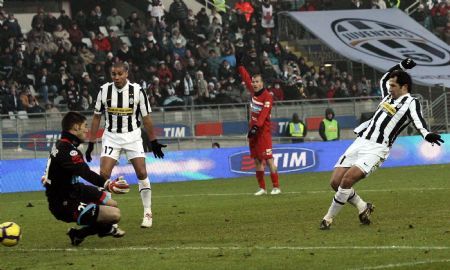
(99, 107)
(144, 103)
(415, 114)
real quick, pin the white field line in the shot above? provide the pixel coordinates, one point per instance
(200, 248)
(247, 194)
(396, 265)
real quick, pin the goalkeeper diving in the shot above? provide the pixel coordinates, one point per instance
(70, 200)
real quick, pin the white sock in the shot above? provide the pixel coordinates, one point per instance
(145, 190)
(340, 198)
(356, 201)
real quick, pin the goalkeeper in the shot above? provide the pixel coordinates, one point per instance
(70, 200)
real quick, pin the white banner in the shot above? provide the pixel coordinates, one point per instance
(380, 39)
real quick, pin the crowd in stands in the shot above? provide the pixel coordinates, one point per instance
(179, 57)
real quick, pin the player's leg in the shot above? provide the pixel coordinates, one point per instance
(343, 193)
(259, 167)
(274, 177)
(106, 166)
(145, 190)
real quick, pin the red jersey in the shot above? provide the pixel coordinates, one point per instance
(260, 107)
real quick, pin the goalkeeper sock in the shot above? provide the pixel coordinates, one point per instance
(85, 231)
(145, 190)
(104, 229)
(274, 177)
(260, 178)
(356, 201)
(338, 202)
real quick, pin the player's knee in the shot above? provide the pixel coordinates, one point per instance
(115, 215)
(141, 173)
(347, 182)
(144, 184)
(334, 185)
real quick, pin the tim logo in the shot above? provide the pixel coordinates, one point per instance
(389, 42)
(287, 159)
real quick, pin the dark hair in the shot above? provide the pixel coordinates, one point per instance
(402, 78)
(121, 64)
(70, 119)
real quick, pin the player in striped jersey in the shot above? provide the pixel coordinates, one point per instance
(124, 105)
(375, 137)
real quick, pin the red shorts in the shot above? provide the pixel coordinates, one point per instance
(261, 147)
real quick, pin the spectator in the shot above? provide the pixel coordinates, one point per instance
(11, 101)
(50, 23)
(64, 19)
(86, 99)
(156, 9)
(46, 85)
(102, 42)
(329, 128)
(267, 18)
(13, 26)
(115, 20)
(187, 86)
(75, 35)
(164, 72)
(296, 129)
(244, 8)
(124, 53)
(38, 19)
(100, 16)
(73, 94)
(29, 102)
(81, 20)
(178, 11)
(61, 37)
(52, 110)
(378, 4)
(276, 91)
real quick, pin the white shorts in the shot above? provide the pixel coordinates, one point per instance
(364, 154)
(114, 143)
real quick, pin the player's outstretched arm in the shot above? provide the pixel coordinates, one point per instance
(407, 63)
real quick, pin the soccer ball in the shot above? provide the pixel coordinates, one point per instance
(10, 234)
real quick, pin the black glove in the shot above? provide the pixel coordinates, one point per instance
(408, 63)
(156, 148)
(434, 138)
(252, 132)
(89, 151)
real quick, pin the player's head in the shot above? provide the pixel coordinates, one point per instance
(257, 82)
(119, 74)
(76, 124)
(400, 83)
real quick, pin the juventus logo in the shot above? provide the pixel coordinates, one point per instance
(389, 42)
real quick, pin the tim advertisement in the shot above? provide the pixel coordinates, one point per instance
(205, 164)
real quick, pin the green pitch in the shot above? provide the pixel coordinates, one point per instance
(220, 225)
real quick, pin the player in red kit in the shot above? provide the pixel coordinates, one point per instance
(259, 135)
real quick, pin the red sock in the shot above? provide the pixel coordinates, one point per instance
(260, 178)
(274, 177)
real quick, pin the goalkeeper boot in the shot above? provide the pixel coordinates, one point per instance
(325, 224)
(117, 232)
(365, 214)
(147, 221)
(275, 191)
(260, 192)
(75, 240)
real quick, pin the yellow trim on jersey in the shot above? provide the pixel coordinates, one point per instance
(120, 111)
(388, 108)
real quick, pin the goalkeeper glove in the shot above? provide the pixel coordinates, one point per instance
(407, 63)
(157, 148)
(434, 138)
(89, 151)
(117, 186)
(252, 132)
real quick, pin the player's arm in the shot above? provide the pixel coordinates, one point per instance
(246, 78)
(148, 125)
(363, 126)
(72, 161)
(415, 114)
(98, 111)
(407, 63)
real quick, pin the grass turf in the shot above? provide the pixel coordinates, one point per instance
(220, 225)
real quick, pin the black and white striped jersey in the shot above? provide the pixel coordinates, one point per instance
(392, 117)
(122, 107)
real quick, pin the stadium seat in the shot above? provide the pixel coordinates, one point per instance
(126, 40)
(22, 115)
(32, 77)
(313, 123)
(103, 30)
(87, 41)
(116, 30)
(12, 116)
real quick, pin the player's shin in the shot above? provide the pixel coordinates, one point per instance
(355, 200)
(338, 202)
(260, 178)
(146, 194)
